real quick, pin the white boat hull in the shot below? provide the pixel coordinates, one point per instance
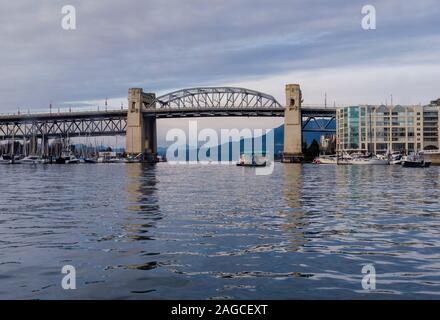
(371, 162)
(31, 161)
(325, 161)
(364, 162)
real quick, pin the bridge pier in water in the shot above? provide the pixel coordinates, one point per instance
(293, 125)
(141, 136)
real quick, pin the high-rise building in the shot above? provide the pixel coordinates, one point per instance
(383, 129)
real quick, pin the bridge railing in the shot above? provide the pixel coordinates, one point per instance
(60, 111)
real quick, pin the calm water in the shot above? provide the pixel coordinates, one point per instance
(210, 232)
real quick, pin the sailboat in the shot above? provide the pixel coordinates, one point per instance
(31, 160)
(34, 158)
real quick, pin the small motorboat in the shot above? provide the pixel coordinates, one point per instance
(31, 160)
(332, 159)
(416, 164)
(251, 164)
(396, 158)
(5, 160)
(72, 160)
(252, 160)
(373, 161)
(415, 161)
(67, 157)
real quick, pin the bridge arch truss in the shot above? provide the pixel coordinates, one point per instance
(64, 125)
(213, 98)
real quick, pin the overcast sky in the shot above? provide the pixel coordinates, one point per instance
(167, 44)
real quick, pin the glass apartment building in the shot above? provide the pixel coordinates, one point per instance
(383, 129)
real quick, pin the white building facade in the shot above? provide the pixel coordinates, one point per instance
(383, 129)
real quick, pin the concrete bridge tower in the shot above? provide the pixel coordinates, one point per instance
(141, 135)
(293, 125)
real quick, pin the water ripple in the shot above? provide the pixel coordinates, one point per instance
(219, 232)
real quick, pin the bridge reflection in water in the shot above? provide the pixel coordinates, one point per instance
(295, 215)
(142, 199)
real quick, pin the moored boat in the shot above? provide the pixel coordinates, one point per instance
(5, 160)
(31, 160)
(415, 161)
(251, 164)
(396, 158)
(252, 160)
(67, 157)
(360, 159)
(330, 159)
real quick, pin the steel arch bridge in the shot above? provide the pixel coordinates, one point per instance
(214, 98)
(192, 102)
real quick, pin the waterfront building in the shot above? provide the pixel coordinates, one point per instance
(383, 129)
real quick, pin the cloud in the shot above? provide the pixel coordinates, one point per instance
(365, 84)
(163, 45)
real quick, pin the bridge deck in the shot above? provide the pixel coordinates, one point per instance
(164, 113)
(62, 115)
(114, 122)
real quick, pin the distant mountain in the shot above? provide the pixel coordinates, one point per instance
(308, 138)
(278, 143)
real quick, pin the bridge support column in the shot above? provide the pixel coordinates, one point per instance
(33, 145)
(45, 146)
(141, 131)
(150, 139)
(293, 125)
